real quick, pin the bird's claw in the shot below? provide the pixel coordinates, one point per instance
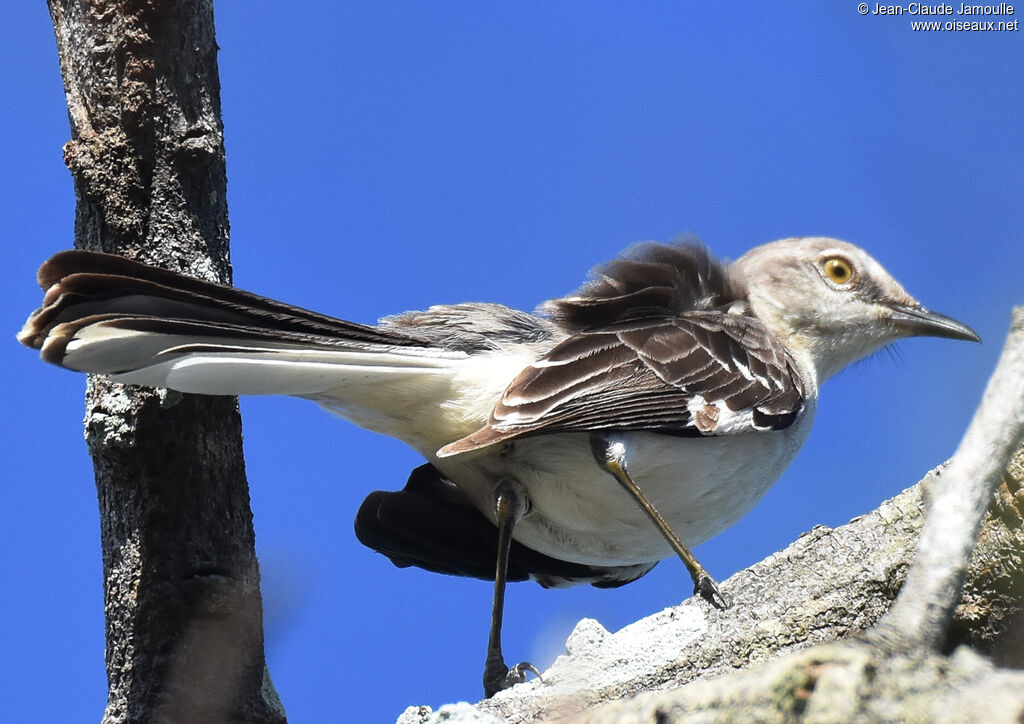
(499, 681)
(517, 674)
(707, 588)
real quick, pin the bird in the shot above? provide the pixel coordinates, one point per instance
(622, 423)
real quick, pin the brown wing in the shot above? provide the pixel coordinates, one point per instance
(700, 373)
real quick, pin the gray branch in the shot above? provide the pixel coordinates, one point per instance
(921, 615)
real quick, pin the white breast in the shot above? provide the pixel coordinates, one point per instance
(580, 513)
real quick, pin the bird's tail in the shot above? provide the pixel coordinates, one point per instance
(142, 325)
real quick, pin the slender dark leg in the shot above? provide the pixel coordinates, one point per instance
(509, 507)
(611, 455)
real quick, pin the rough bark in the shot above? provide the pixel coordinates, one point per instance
(181, 580)
(799, 642)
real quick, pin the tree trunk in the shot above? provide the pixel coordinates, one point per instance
(181, 579)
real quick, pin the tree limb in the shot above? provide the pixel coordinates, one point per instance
(181, 580)
(921, 615)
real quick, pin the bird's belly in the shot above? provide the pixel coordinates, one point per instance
(580, 513)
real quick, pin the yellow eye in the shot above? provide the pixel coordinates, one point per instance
(838, 270)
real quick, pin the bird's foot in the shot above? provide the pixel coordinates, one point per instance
(499, 677)
(707, 588)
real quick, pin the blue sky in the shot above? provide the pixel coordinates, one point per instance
(386, 156)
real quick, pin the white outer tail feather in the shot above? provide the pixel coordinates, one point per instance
(426, 397)
(270, 372)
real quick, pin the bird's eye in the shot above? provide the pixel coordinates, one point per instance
(838, 270)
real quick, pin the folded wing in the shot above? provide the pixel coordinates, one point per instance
(698, 373)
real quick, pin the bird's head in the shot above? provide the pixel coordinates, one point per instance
(832, 304)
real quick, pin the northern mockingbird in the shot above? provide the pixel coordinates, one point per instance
(645, 412)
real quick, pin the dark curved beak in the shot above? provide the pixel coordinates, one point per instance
(919, 322)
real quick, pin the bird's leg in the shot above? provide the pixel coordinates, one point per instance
(509, 507)
(611, 455)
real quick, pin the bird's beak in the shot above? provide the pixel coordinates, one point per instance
(916, 321)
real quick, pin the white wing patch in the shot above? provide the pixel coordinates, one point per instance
(715, 418)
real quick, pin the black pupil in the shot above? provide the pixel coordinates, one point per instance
(839, 270)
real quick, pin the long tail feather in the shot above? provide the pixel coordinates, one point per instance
(107, 314)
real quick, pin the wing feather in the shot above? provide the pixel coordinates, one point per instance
(698, 373)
